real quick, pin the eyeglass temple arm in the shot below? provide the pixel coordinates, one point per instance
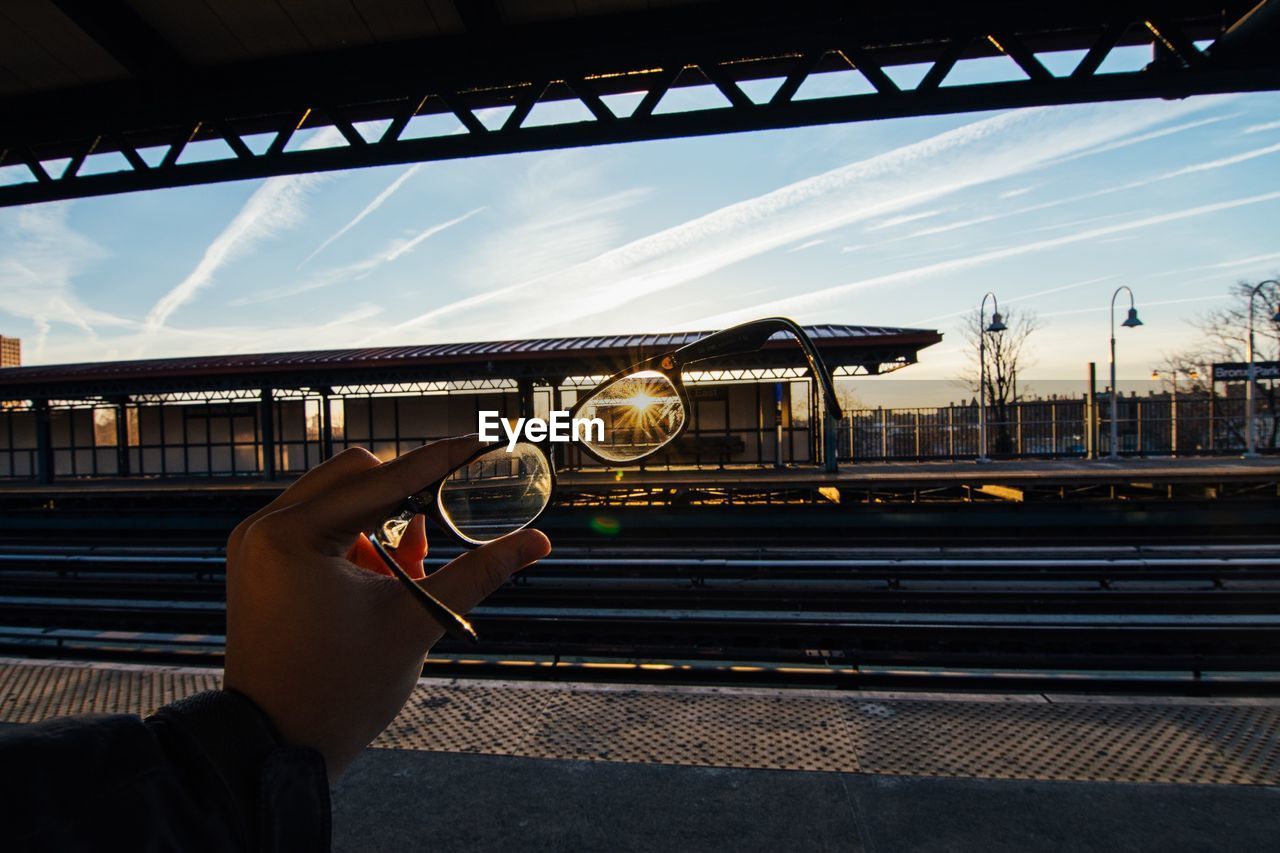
(751, 337)
(389, 534)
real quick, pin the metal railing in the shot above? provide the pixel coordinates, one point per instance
(227, 437)
(1200, 424)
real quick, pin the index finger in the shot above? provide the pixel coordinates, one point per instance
(313, 482)
(332, 518)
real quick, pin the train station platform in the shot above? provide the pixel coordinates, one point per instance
(485, 765)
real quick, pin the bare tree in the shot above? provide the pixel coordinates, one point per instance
(848, 398)
(1225, 330)
(1191, 369)
(1224, 335)
(1006, 355)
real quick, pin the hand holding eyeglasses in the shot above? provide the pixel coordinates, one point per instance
(496, 490)
(327, 649)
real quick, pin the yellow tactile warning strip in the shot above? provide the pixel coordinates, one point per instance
(695, 727)
(1207, 744)
(1209, 741)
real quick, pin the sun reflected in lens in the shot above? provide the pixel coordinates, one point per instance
(642, 402)
(641, 413)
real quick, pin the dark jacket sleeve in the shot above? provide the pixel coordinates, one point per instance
(205, 773)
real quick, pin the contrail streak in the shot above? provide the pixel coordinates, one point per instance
(368, 208)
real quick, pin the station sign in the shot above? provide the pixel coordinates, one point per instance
(1238, 371)
(707, 392)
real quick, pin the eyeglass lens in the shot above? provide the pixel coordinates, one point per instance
(497, 493)
(641, 413)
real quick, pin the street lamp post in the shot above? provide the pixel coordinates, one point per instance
(1130, 322)
(997, 325)
(1251, 441)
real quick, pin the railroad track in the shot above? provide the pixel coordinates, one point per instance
(1220, 581)
(1180, 608)
(155, 518)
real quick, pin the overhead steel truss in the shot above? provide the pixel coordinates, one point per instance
(487, 85)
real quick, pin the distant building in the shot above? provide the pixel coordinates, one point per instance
(10, 352)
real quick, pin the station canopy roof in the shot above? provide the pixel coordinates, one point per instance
(849, 350)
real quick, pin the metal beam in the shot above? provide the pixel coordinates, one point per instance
(515, 71)
(46, 466)
(267, 430)
(1255, 37)
(698, 123)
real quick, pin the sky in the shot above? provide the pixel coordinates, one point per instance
(906, 222)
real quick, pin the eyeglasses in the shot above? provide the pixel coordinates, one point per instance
(643, 408)
(493, 493)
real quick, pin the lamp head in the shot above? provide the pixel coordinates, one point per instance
(1194, 374)
(997, 323)
(1155, 374)
(1132, 320)
(1275, 318)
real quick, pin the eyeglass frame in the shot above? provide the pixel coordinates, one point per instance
(427, 502)
(736, 340)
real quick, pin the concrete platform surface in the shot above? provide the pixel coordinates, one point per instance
(400, 800)
(514, 766)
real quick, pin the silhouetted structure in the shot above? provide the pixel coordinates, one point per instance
(281, 413)
(112, 97)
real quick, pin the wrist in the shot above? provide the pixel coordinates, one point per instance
(269, 784)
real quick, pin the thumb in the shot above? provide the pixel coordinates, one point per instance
(474, 576)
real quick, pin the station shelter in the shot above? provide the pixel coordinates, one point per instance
(278, 414)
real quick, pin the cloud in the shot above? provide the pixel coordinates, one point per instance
(279, 334)
(40, 256)
(274, 207)
(1131, 185)
(358, 270)
(807, 244)
(805, 303)
(1211, 164)
(1072, 223)
(369, 208)
(551, 216)
(1252, 260)
(1160, 133)
(994, 148)
(404, 247)
(894, 221)
(1259, 128)
(1101, 308)
(1240, 262)
(1015, 300)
